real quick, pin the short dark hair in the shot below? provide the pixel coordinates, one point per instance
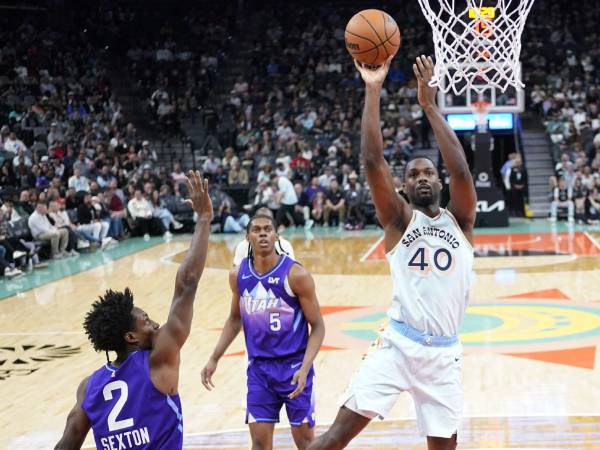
(109, 319)
(261, 216)
(418, 157)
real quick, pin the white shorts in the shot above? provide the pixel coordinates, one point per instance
(432, 376)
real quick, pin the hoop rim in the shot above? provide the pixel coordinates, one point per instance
(481, 106)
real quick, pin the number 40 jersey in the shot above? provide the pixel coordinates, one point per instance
(431, 274)
(126, 411)
(273, 321)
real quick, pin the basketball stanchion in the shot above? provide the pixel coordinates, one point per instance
(480, 109)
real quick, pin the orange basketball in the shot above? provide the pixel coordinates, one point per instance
(372, 36)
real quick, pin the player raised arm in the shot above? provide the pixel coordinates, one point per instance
(174, 333)
(78, 424)
(393, 212)
(463, 198)
(232, 328)
(303, 285)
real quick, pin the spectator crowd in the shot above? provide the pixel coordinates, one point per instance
(176, 59)
(74, 175)
(563, 62)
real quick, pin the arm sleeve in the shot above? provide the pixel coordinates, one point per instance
(132, 209)
(34, 226)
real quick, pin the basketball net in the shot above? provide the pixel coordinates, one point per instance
(476, 46)
(481, 109)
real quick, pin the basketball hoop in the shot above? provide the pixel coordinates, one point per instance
(480, 110)
(475, 45)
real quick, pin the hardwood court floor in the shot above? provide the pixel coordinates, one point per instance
(531, 368)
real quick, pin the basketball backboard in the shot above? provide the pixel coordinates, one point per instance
(512, 100)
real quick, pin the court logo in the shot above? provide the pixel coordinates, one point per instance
(24, 360)
(535, 325)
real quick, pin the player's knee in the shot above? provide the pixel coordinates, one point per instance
(259, 443)
(441, 443)
(262, 442)
(303, 443)
(331, 440)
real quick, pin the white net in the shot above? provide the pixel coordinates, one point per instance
(477, 42)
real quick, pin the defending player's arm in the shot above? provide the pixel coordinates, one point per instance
(174, 333)
(78, 424)
(393, 212)
(462, 190)
(232, 328)
(303, 285)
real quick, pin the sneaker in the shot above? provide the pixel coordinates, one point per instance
(41, 265)
(167, 235)
(105, 242)
(309, 224)
(570, 219)
(73, 253)
(58, 256)
(9, 272)
(146, 237)
(83, 244)
(552, 219)
(177, 225)
(19, 254)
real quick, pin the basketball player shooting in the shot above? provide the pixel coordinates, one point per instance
(274, 299)
(430, 253)
(133, 402)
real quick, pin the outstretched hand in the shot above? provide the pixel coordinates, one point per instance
(374, 77)
(423, 69)
(199, 198)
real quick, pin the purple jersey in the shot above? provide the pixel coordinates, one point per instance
(274, 325)
(126, 411)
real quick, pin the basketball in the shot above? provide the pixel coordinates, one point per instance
(372, 36)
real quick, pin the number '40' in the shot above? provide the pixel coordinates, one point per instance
(420, 260)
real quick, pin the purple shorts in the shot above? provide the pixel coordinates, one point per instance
(270, 383)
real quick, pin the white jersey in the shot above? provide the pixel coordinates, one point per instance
(431, 274)
(282, 246)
